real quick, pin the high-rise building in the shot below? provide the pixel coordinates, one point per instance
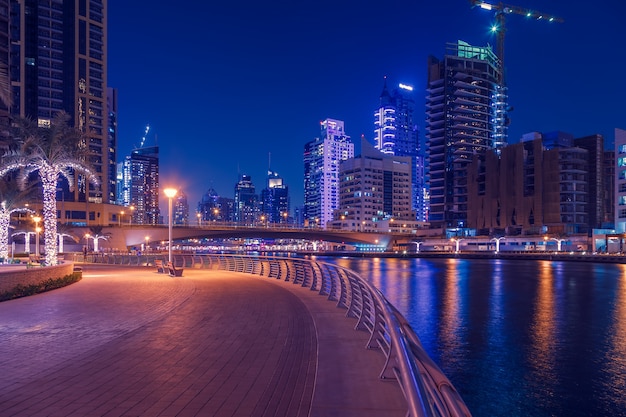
(58, 63)
(374, 187)
(246, 201)
(620, 181)
(215, 209)
(275, 199)
(396, 133)
(141, 175)
(463, 100)
(322, 157)
(180, 209)
(544, 184)
(5, 96)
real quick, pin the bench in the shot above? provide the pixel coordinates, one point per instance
(174, 272)
(159, 266)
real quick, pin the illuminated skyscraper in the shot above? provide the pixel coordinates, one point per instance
(181, 208)
(141, 173)
(246, 201)
(464, 100)
(275, 199)
(396, 133)
(58, 63)
(322, 157)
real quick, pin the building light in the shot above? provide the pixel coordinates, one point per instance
(405, 87)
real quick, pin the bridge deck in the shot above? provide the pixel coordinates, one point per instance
(129, 341)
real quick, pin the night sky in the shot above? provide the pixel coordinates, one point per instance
(223, 84)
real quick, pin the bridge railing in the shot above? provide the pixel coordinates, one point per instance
(427, 390)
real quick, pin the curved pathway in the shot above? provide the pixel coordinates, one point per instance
(131, 342)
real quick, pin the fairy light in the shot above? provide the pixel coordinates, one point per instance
(5, 222)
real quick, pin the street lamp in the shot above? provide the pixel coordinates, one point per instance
(497, 240)
(199, 216)
(130, 217)
(147, 238)
(458, 242)
(37, 219)
(170, 193)
(558, 242)
(119, 220)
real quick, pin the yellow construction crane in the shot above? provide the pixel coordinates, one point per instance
(501, 10)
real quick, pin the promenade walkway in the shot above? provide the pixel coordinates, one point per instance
(130, 342)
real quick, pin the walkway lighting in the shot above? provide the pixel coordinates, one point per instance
(170, 193)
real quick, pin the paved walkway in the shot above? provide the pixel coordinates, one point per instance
(131, 342)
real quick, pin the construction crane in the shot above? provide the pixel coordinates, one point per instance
(501, 10)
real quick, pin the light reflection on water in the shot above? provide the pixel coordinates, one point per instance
(517, 338)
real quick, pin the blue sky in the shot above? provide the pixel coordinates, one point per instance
(225, 84)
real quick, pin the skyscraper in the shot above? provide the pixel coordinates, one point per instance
(58, 63)
(275, 199)
(141, 176)
(374, 187)
(246, 201)
(396, 133)
(181, 209)
(463, 100)
(620, 181)
(322, 157)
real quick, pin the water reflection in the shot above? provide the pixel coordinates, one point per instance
(517, 338)
(543, 349)
(615, 364)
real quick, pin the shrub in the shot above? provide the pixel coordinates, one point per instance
(47, 285)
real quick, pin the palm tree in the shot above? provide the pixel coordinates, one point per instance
(96, 234)
(52, 152)
(12, 200)
(64, 231)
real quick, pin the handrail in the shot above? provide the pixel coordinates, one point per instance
(427, 390)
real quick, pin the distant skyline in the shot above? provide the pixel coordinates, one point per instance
(225, 84)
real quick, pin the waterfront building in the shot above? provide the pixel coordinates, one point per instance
(180, 209)
(322, 157)
(609, 189)
(275, 199)
(540, 185)
(465, 119)
(246, 202)
(396, 133)
(373, 187)
(141, 173)
(620, 181)
(58, 63)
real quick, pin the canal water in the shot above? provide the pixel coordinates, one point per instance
(516, 338)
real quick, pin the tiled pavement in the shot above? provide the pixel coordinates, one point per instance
(131, 342)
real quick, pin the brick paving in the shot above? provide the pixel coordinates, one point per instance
(131, 342)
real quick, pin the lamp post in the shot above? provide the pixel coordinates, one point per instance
(130, 217)
(458, 242)
(497, 240)
(199, 216)
(37, 219)
(119, 221)
(169, 193)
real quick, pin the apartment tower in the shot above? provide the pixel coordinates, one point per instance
(322, 157)
(464, 105)
(58, 62)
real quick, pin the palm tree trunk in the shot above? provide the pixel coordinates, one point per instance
(49, 178)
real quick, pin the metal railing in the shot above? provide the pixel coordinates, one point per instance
(427, 390)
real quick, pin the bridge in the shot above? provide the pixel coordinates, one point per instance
(134, 235)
